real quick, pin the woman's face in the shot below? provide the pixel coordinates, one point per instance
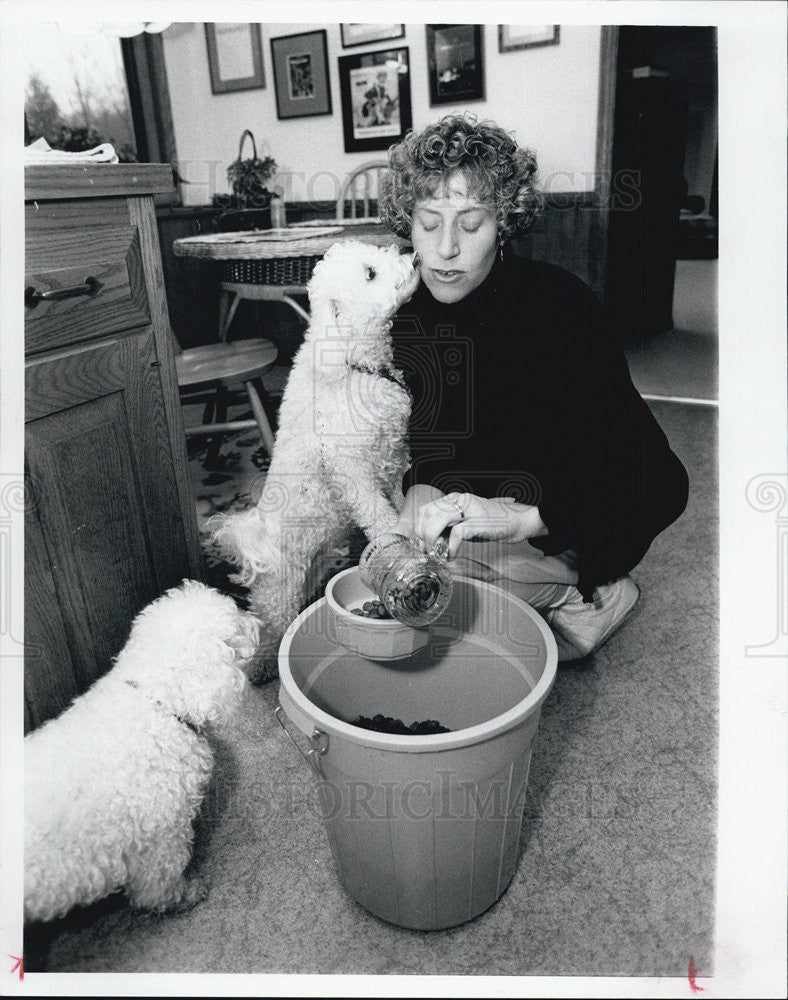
(457, 239)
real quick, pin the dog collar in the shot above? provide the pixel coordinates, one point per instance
(186, 722)
(382, 372)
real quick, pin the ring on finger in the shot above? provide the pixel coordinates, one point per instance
(454, 501)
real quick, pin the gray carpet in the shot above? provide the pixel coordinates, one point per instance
(616, 869)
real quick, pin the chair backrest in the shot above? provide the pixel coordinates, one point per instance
(362, 184)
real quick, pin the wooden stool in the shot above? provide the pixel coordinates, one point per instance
(219, 367)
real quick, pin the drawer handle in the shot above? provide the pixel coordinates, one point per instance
(91, 286)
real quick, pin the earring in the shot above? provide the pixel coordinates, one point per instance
(500, 250)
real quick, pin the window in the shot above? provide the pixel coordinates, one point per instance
(86, 85)
(76, 95)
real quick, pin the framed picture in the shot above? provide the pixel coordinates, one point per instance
(235, 57)
(513, 37)
(455, 63)
(301, 74)
(363, 34)
(375, 88)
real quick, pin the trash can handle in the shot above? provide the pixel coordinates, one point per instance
(318, 739)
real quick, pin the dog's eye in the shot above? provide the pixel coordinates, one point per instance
(369, 272)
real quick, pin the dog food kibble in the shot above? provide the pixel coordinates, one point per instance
(371, 609)
(417, 596)
(385, 724)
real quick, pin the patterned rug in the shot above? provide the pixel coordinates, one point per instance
(234, 481)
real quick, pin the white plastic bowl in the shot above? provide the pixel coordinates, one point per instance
(375, 638)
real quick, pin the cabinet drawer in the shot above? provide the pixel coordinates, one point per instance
(99, 265)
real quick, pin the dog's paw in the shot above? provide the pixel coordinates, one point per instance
(195, 890)
(177, 895)
(185, 896)
(263, 667)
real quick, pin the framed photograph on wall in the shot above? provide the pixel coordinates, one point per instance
(235, 57)
(375, 89)
(364, 34)
(301, 74)
(513, 37)
(455, 61)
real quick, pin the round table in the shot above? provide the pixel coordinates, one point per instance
(304, 240)
(275, 264)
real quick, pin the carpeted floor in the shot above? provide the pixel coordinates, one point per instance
(616, 872)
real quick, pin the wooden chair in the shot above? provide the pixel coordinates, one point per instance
(362, 184)
(214, 374)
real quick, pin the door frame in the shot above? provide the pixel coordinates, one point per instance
(606, 110)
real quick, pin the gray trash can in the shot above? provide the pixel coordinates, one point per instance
(424, 830)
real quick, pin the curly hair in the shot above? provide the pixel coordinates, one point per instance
(497, 171)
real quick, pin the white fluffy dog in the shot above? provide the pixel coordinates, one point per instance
(341, 448)
(113, 784)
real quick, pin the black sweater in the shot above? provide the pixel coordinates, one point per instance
(520, 390)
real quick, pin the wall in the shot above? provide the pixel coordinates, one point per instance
(547, 96)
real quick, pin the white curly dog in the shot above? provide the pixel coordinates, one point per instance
(341, 448)
(113, 784)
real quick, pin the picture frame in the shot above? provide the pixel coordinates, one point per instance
(365, 34)
(235, 56)
(455, 63)
(514, 37)
(376, 104)
(300, 69)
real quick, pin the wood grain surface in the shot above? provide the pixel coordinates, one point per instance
(142, 215)
(96, 180)
(228, 363)
(113, 258)
(50, 684)
(114, 525)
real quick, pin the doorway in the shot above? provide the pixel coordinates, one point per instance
(664, 166)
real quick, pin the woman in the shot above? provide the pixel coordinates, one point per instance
(538, 454)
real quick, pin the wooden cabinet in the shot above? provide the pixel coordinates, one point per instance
(112, 521)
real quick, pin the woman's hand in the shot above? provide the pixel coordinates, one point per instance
(470, 516)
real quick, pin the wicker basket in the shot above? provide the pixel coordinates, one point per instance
(276, 271)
